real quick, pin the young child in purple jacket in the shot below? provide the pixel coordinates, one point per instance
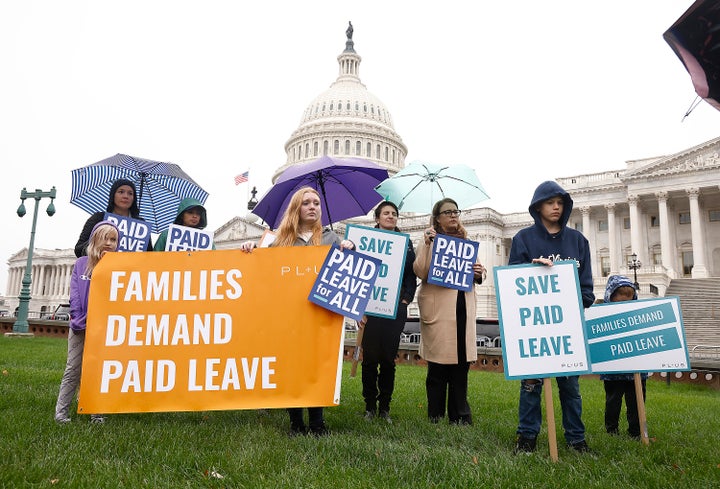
(103, 238)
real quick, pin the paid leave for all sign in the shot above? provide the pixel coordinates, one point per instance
(390, 247)
(452, 262)
(134, 233)
(345, 281)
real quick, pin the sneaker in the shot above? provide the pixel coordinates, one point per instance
(97, 419)
(369, 415)
(525, 445)
(386, 416)
(580, 446)
(62, 420)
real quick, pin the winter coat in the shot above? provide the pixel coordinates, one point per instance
(438, 323)
(82, 242)
(615, 282)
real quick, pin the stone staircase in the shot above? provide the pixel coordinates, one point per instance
(700, 305)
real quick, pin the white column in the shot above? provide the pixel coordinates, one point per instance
(41, 281)
(585, 210)
(612, 245)
(635, 239)
(699, 270)
(51, 281)
(665, 243)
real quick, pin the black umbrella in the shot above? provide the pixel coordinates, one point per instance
(695, 38)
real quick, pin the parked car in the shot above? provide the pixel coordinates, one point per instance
(61, 313)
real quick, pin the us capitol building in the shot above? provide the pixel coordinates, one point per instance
(664, 209)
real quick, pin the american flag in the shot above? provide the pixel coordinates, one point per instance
(242, 178)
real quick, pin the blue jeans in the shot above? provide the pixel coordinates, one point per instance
(530, 410)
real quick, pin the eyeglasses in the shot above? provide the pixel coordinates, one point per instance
(453, 213)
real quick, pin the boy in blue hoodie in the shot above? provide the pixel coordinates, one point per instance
(620, 288)
(545, 242)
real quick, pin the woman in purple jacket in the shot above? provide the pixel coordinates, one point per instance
(103, 238)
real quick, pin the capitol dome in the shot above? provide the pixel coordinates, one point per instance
(346, 121)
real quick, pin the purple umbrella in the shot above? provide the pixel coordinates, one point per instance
(346, 187)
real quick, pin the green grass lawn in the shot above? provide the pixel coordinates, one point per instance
(248, 449)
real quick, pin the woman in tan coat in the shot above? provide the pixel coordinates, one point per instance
(447, 324)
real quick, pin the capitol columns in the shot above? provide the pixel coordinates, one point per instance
(636, 245)
(612, 239)
(585, 211)
(666, 246)
(698, 270)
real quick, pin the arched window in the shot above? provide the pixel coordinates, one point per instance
(323, 109)
(347, 146)
(336, 147)
(307, 150)
(315, 148)
(377, 152)
(369, 150)
(326, 146)
(386, 153)
(331, 106)
(358, 148)
(365, 108)
(347, 107)
(357, 106)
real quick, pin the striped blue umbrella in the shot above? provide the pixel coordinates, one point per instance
(160, 186)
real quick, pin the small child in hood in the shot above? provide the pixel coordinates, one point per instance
(620, 288)
(191, 214)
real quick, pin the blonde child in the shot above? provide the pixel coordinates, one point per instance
(103, 238)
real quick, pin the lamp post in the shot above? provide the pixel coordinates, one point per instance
(634, 265)
(21, 324)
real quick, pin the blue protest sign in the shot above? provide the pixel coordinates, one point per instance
(345, 282)
(540, 311)
(637, 336)
(452, 262)
(390, 247)
(134, 233)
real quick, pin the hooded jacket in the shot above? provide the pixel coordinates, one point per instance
(80, 286)
(615, 282)
(185, 204)
(568, 244)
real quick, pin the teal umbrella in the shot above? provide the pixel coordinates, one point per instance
(419, 185)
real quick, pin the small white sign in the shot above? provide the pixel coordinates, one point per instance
(183, 238)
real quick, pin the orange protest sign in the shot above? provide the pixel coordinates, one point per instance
(208, 330)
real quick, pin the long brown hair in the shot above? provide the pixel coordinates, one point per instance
(289, 227)
(461, 232)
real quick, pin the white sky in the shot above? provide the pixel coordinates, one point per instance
(523, 91)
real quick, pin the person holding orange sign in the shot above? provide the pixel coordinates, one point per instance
(301, 226)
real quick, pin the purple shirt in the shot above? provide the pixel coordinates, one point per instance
(79, 291)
